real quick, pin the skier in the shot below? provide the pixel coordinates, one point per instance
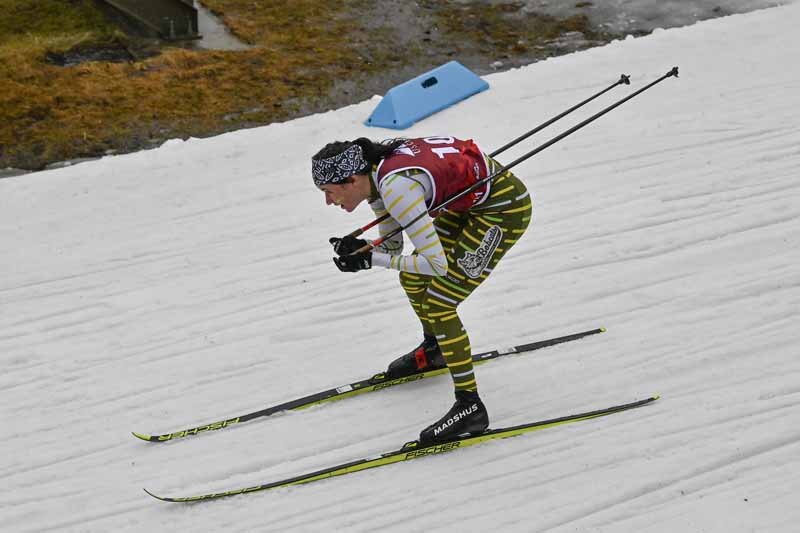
(455, 249)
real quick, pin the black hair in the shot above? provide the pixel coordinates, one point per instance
(374, 152)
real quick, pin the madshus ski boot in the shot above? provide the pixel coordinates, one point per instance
(468, 416)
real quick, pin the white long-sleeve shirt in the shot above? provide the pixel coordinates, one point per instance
(404, 195)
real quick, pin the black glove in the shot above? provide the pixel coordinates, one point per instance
(347, 244)
(354, 263)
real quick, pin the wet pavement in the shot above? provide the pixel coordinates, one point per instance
(215, 35)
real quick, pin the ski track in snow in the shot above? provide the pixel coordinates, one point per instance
(171, 288)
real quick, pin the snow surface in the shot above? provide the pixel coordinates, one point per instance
(178, 286)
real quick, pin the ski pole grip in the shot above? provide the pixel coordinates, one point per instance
(369, 246)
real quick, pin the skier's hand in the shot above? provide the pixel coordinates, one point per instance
(346, 245)
(354, 263)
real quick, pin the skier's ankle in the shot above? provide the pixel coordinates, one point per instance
(467, 396)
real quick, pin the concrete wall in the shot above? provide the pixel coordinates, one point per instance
(170, 19)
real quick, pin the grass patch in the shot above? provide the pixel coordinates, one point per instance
(301, 51)
(45, 18)
(52, 113)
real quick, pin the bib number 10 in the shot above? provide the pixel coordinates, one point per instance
(439, 149)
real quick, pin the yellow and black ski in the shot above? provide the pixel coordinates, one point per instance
(412, 450)
(375, 383)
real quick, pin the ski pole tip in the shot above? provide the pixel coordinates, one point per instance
(625, 79)
(673, 72)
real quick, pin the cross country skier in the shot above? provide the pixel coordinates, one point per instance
(455, 249)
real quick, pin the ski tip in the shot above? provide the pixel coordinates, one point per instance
(603, 329)
(141, 436)
(656, 397)
(155, 496)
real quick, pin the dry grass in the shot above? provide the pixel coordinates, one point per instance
(52, 113)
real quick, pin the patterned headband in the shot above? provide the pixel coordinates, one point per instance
(336, 169)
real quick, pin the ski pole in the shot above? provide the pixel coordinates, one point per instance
(623, 80)
(503, 169)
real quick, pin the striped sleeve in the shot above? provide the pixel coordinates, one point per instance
(404, 199)
(393, 245)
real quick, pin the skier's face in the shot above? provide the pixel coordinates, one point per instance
(346, 195)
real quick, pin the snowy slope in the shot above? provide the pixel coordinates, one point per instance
(177, 286)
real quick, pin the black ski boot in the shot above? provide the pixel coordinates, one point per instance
(426, 356)
(468, 416)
